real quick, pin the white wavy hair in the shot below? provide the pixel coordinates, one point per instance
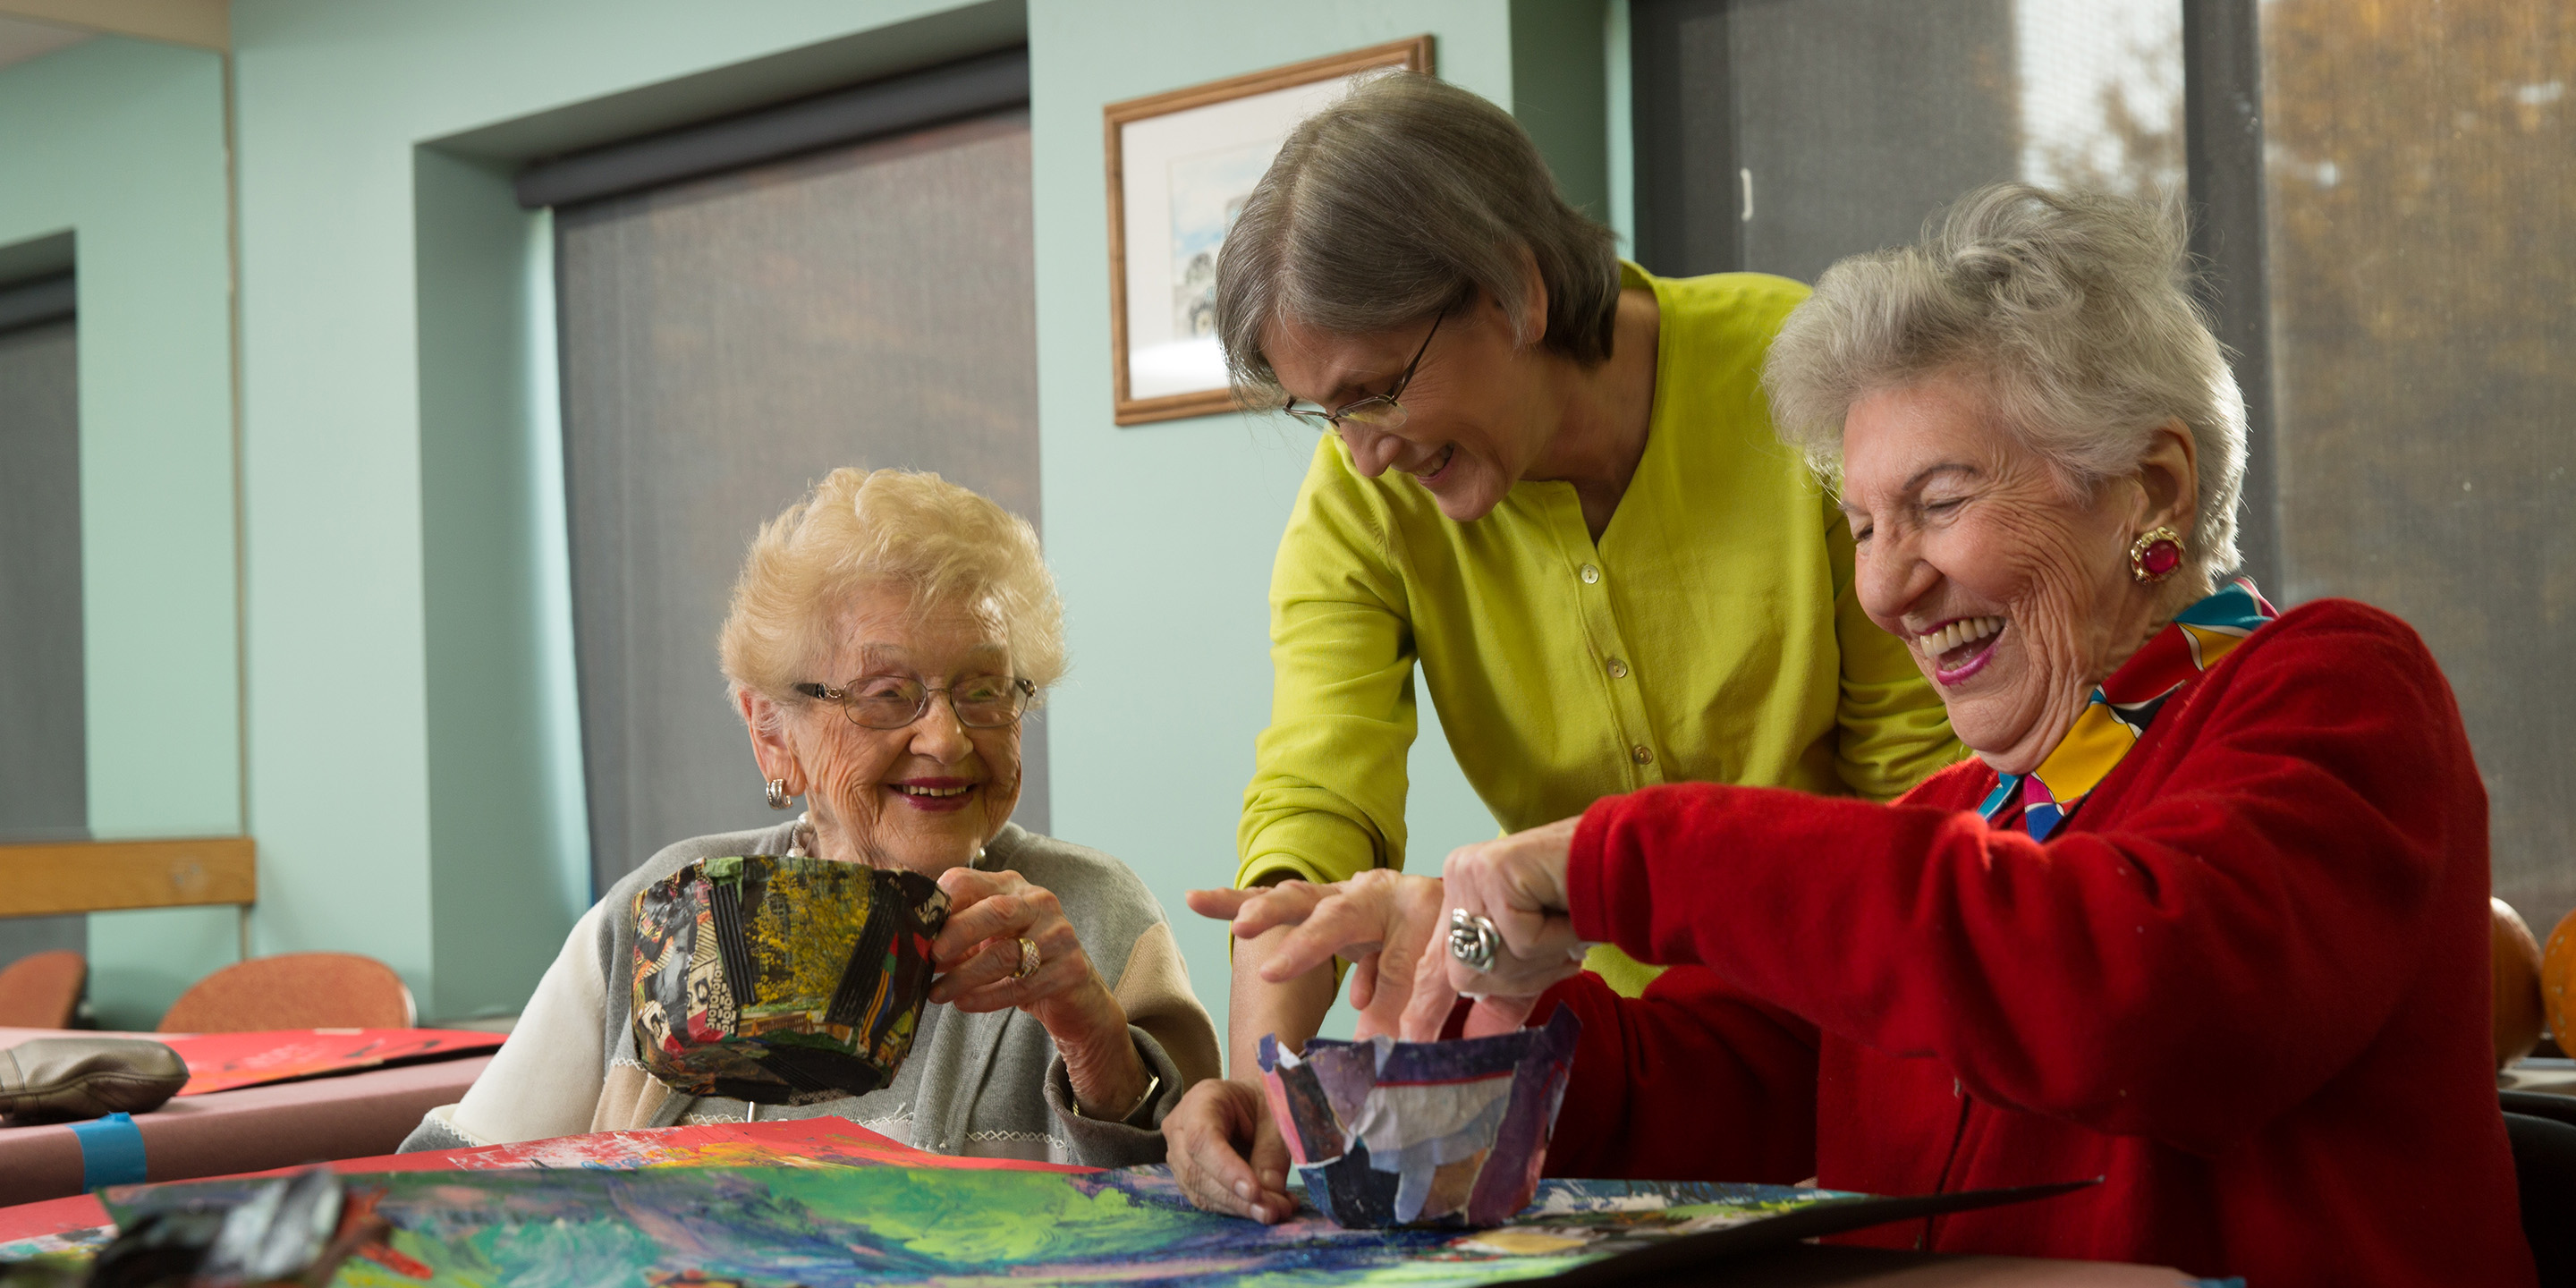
(2073, 310)
(857, 530)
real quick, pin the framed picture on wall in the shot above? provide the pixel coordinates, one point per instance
(1180, 166)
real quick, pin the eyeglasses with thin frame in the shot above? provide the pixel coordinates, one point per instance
(1377, 411)
(894, 701)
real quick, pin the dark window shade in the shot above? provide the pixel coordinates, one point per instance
(968, 87)
(37, 301)
(44, 776)
(725, 343)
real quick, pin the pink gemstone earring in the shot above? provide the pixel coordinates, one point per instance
(2156, 555)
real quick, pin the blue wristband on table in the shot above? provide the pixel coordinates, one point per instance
(111, 1151)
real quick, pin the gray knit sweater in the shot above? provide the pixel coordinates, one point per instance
(987, 1085)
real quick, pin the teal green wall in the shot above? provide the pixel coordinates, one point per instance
(414, 799)
(1618, 125)
(122, 142)
(1560, 95)
(504, 813)
(414, 781)
(1167, 601)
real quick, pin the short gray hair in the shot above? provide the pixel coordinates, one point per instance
(1405, 197)
(2073, 309)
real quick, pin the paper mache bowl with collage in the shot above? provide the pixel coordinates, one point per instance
(1389, 1133)
(782, 980)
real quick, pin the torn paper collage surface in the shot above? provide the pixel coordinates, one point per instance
(782, 980)
(1393, 1133)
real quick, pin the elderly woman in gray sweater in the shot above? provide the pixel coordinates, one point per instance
(886, 635)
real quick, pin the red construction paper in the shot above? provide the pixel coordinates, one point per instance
(223, 1061)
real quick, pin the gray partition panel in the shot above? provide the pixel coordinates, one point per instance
(1683, 127)
(1854, 119)
(725, 343)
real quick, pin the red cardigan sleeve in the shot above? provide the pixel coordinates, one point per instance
(1691, 1082)
(2228, 920)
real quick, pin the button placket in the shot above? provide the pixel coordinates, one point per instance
(1601, 624)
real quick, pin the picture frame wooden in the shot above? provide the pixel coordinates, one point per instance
(1178, 163)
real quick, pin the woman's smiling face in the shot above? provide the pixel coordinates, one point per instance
(1474, 418)
(2011, 588)
(925, 797)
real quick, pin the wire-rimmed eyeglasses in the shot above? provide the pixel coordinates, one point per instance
(893, 702)
(1377, 411)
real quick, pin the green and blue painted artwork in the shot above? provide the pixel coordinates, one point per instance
(834, 1227)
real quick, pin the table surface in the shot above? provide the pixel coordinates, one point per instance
(359, 1115)
(1800, 1266)
(248, 1129)
(2555, 1077)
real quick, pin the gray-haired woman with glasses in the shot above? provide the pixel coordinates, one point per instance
(887, 634)
(1549, 482)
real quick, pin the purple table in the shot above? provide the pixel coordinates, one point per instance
(349, 1115)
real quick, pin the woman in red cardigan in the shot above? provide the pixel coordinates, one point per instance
(2205, 916)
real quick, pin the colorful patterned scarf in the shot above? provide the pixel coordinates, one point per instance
(2121, 707)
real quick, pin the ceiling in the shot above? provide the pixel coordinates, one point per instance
(34, 28)
(21, 39)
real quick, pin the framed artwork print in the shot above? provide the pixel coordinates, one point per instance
(1180, 166)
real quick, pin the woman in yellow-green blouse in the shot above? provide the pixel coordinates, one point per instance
(1553, 482)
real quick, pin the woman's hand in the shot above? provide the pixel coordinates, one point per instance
(1377, 920)
(1227, 1154)
(1382, 921)
(979, 956)
(1518, 883)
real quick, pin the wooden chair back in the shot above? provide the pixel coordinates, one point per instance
(294, 991)
(42, 990)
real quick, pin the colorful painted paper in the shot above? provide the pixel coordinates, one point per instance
(80, 1222)
(782, 980)
(223, 1061)
(847, 1228)
(801, 1142)
(1393, 1133)
(997, 1222)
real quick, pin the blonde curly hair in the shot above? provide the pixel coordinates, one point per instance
(861, 529)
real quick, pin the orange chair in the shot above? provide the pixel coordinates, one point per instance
(42, 990)
(294, 991)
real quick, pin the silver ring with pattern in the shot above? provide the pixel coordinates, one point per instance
(1473, 940)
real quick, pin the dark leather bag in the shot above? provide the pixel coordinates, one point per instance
(48, 1079)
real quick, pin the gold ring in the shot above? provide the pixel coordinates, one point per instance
(1028, 960)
